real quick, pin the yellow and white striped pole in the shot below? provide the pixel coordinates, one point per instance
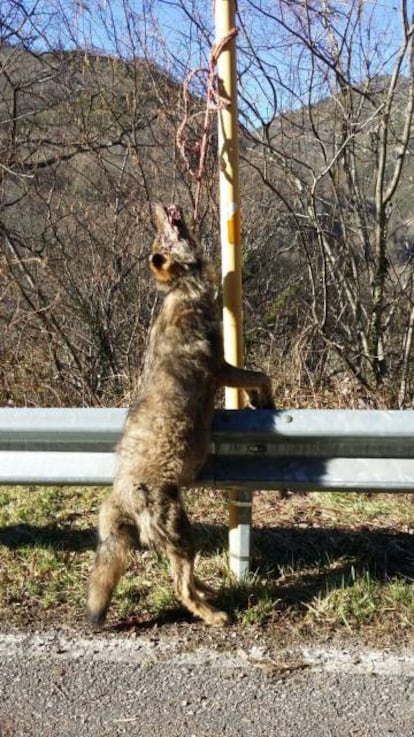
(228, 151)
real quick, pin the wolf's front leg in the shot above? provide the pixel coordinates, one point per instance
(257, 385)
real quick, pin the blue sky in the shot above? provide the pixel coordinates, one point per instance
(178, 34)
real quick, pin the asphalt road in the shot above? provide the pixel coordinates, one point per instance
(53, 685)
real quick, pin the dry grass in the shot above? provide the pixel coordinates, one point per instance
(322, 564)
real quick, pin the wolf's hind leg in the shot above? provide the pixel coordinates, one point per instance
(115, 539)
(202, 588)
(171, 532)
(182, 570)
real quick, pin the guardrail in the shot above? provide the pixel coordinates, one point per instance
(347, 450)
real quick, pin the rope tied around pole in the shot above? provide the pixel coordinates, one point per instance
(214, 103)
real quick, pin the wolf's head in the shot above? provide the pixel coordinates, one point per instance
(175, 253)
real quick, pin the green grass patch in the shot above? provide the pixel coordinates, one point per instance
(321, 562)
(364, 602)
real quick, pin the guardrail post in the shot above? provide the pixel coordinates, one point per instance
(240, 524)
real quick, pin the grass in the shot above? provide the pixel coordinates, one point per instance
(322, 564)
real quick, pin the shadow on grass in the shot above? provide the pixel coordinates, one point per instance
(312, 561)
(48, 536)
(386, 552)
(171, 615)
(315, 561)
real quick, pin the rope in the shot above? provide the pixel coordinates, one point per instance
(214, 103)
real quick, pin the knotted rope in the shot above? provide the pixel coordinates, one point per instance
(214, 102)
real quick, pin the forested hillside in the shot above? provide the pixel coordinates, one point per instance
(88, 140)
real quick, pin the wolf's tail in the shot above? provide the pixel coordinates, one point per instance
(115, 539)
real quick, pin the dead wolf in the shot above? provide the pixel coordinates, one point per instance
(167, 431)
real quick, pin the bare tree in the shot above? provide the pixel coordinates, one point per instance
(87, 140)
(88, 136)
(336, 167)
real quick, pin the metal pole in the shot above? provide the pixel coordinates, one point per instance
(240, 501)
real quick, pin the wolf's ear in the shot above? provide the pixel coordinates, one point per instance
(159, 216)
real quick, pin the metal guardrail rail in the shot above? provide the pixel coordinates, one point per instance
(354, 450)
(347, 450)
